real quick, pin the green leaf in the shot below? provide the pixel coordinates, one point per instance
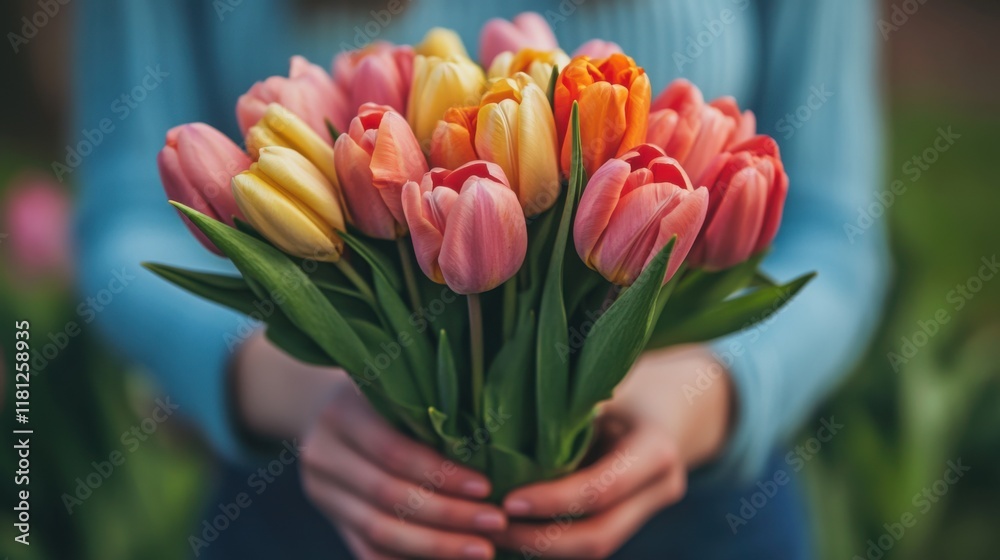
(700, 289)
(447, 381)
(728, 316)
(297, 344)
(301, 301)
(375, 259)
(509, 388)
(553, 79)
(230, 291)
(616, 339)
(552, 365)
(334, 133)
(414, 342)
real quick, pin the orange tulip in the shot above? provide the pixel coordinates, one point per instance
(614, 96)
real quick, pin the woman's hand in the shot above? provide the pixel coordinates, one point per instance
(389, 496)
(650, 434)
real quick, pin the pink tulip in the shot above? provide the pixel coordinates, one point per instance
(308, 91)
(196, 166)
(693, 132)
(467, 227)
(374, 159)
(746, 189)
(631, 208)
(379, 73)
(37, 227)
(528, 30)
(596, 48)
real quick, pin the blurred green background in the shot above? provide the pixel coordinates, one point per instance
(903, 424)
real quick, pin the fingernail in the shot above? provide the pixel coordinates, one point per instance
(489, 520)
(517, 506)
(476, 488)
(477, 551)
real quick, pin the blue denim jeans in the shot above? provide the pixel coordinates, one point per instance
(713, 522)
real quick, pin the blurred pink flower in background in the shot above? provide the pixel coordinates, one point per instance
(596, 48)
(36, 228)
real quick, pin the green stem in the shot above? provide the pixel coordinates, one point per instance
(509, 307)
(408, 275)
(476, 343)
(356, 279)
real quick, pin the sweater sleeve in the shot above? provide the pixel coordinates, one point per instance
(140, 70)
(819, 97)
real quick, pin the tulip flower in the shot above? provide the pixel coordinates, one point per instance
(36, 218)
(537, 64)
(747, 189)
(442, 43)
(614, 96)
(693, 132)
(513, 128)
(439, 84)
(280, 127)
(528, 30)
(467, 227)
(376, 157)
(308, 91)
(631, 208)
(291, 203)
(596, 48)
(196, 165)
(379, 73)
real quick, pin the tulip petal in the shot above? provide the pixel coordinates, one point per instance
(426, 231)
(597, 204)
(364, 203)
(396, 159)
(486, 238)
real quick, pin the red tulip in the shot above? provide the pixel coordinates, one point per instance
(693, 132)
(308, 91)
(374, 159)
(527, 31)
(379, 73)
(196, 166)
(467, 227)
(631, 208)
(747, 189)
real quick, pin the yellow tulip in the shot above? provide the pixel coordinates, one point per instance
(290, 202)
(537, 64)
(513, 128)
(442, 43)
(438, 84)
(281, 127)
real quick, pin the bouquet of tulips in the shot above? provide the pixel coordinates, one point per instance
(485, 252)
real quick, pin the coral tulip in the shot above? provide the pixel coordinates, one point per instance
(308, 91)
(614, 97)
(693, 132)
(747, 189)
(537, 64)
(379, 73)
(376, 157)
(514, 128)
(528, 30)
(291, 203)
(631, 209)
(439, 84)
(280, 127)
(196, 165)
(467, 227)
